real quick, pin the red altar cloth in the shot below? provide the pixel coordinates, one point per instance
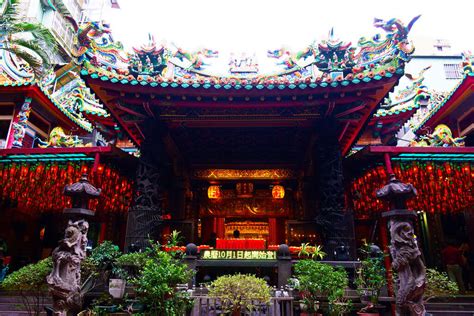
(240, 244)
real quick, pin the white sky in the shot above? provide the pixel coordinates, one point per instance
(258, 25)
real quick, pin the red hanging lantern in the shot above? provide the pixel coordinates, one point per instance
(214, 192)
(278, 192)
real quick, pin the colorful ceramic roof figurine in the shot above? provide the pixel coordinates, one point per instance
(331, 62)
(58, 138)
(441, 107)
(441, 137)
(408, 99)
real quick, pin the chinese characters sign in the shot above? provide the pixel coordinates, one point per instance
(215, 254)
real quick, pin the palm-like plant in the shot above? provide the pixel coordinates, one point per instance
(28, 41)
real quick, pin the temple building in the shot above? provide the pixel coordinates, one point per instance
(235, 152)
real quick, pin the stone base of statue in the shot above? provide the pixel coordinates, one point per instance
(407, 262)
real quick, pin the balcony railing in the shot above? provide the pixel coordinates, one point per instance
(62, 31)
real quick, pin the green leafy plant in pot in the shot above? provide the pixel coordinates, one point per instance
(438, 284)
(104, 259)
(157, 284)
(316, 280)
(132, 263)
(370, 277)
(240, 292)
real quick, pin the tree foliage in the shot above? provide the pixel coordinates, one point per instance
(28, 41)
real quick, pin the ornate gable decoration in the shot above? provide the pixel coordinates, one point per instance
(331, 61)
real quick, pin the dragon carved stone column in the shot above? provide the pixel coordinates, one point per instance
(145, 216)
(64, 281)
(406, 256)
(333, 220)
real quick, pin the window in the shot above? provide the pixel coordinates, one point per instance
(452, 71)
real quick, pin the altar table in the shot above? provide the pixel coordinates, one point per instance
(240, 244)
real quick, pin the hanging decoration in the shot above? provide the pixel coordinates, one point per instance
(442, 187)
(278, 192)
(39, 186)
(214, 192)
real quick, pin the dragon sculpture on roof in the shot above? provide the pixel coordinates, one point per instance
(441, 137)
(96, 46)
(333, 56)
(413, 96)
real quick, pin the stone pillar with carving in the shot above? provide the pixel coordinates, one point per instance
(332, 219)
(145, 216)
(406, 256)
(65, 279)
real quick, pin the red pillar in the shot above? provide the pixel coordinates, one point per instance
(220, 227)
(96, 162)
(272, 231)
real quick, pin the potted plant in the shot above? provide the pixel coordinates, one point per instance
(317, 280)
(339, 306)
(104, 259)
(132, 262)
(370, 278)
(157, 285)
(438, 285)
(240, 292)
(314, 252)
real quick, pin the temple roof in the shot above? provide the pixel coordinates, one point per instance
(329, 63)
(331, 78)
(68, 94)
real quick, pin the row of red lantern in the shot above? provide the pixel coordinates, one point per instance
(442, 187)
(39, 186)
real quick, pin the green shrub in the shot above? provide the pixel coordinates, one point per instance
(157, 285)
(137, 259)
(316, 280)
(104, 255)
(30, 281)
(103, 261)
(438, 284)
(371, 273)
(240, 291)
